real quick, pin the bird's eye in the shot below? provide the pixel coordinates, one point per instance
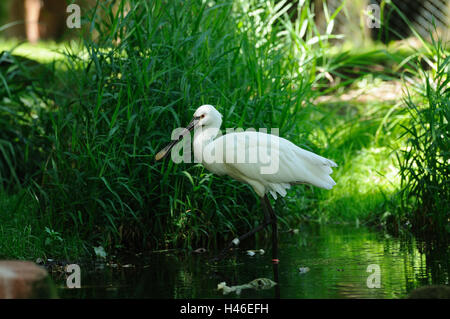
(202, 116)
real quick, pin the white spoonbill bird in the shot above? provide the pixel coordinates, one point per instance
(268, 163)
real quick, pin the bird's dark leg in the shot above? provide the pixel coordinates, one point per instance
(236, 241)
(270, 218)
(273, 219)
(275, 260)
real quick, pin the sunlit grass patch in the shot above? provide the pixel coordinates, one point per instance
(360, 133)
(364, 180)
(43, 51)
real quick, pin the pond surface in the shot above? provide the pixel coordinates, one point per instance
(334, 263)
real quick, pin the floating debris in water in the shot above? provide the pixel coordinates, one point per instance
(257, 284)
(100, 252)
(254, 252)
(303, 270)
(200, 250)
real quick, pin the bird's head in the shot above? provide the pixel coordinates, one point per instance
(206, 117)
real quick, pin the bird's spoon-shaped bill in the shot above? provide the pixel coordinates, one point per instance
(166, 150)
(163, 153)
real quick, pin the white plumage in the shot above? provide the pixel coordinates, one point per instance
(295, 165)
(270, 164)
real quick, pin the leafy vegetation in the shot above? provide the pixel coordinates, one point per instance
(79, 133)
(425, 162)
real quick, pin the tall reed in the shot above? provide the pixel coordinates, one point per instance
(425, 162)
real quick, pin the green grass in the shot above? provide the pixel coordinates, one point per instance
(361, 136)
(81, 127)
(43, 51)
(110, 118)
(424, 162)
(26, 234)
(367, 173)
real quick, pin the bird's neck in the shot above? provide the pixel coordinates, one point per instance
(202, 137)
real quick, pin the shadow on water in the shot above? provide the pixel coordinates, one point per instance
(317, 262)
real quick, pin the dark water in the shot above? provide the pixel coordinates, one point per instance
(337, 257)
